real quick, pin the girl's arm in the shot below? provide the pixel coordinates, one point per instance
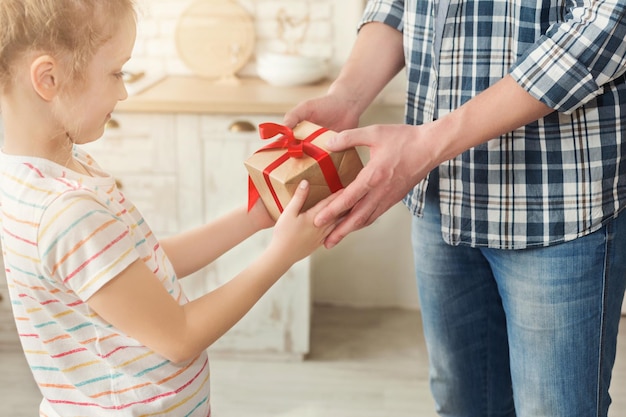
(137, 303)
(192, 250)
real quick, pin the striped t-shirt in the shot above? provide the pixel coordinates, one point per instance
(64, 236)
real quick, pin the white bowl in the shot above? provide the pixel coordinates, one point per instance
(288, 60)
(290, 70)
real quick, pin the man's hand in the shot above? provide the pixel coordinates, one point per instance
(399, 159)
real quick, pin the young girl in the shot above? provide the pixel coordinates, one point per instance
(103, 321)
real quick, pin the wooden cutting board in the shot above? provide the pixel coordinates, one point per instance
(215, 38)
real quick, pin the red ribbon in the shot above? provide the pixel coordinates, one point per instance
(296, 148)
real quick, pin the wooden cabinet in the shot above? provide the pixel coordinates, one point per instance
(184, 169)
(139, 150)
(8, 332)
(215, 181)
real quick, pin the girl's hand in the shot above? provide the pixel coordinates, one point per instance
(295, 235)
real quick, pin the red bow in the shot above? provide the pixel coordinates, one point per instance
(287, 140)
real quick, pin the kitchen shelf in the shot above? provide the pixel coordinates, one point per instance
(182, 94)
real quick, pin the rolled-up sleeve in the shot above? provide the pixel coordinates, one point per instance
(389, 12)
(571, 63)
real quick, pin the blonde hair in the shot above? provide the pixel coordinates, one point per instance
(66, 29)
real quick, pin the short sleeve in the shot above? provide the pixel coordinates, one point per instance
(83, 243)
(389, 12)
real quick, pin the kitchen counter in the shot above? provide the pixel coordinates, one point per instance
(180, 94)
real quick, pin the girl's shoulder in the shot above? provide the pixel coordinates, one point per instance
(23, 175)
(35, 189)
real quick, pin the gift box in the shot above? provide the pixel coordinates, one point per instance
(276, 170)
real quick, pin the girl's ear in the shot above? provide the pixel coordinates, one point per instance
(43, 77)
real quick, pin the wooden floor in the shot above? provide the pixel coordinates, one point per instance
(365, 363)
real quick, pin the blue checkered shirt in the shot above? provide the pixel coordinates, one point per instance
(551, 181)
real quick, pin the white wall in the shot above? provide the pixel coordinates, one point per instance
(156, 47)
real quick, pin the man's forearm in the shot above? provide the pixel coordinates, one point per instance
(500, 109)
(377, 56)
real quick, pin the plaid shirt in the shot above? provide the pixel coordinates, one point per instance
(550, 181)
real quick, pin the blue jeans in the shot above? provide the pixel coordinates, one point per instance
(520, 333)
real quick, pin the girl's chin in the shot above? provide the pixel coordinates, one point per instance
(88, 138)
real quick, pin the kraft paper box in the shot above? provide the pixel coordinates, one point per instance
(275, 170)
